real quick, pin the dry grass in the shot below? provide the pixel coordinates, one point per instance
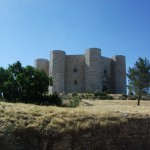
(122, 106)
(46, 119)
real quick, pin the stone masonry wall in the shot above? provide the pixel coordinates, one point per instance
(119, 74)
(89, 75)
(93, 70)
(57, 70)
(75, 73)
(42, 64)
(106, 77)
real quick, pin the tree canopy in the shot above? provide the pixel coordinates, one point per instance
(23, 84)
(139, 78)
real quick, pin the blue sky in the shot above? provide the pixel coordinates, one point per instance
(29, 29)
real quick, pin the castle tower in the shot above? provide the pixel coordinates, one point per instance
(57, 70)
(93, 69)
(42, 64)
(119, 74)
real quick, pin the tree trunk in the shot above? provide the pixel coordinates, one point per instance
(139, 98)
(138, 101)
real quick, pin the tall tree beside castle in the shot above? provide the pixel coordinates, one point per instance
(25, 84)
(139, 78)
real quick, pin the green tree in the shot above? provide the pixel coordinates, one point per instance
(139, 78)
(3, 79)
(34, 83)
(10, 87)
(25, 84)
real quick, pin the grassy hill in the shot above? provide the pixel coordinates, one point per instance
(19, 120)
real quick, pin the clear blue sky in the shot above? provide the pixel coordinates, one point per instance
(29, 29)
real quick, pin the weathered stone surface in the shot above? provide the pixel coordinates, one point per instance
(85, 73)
(42, 64)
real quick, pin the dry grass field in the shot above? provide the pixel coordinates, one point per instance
(50, 118)
(117, 106)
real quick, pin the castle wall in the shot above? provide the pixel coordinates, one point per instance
(85, 73)
(42, 64)
(106, 72)
(57, 70)
(75, 73)
(119, 74)
(92, 69)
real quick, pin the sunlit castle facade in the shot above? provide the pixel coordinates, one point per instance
(85, 73)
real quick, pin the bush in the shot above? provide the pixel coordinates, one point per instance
(98, 93)
(74, 94)
(109, 97)
(66, 97)
(74, 102)
(88, 95)
(94, 97)
(102, 97)
(146, 97)
(108, 92)
(123, 97)
(132, 97)
(82, 96)
(1, 100)
(105, 97)
(52, 99)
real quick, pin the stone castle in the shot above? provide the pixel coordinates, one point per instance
(85, 73)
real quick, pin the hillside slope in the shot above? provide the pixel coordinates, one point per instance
(93, 125)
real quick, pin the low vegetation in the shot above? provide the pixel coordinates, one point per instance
(46, 118)
(19, 120)
(72, 100)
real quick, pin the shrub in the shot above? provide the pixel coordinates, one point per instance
(132, 97)
(66, 97)
(108, 92)
(82, 96)
(123, 97)
(98, 93)
(102, 97)
(131, 93)
(74, 102)
(94, 97)
(52, 99)
(88, 95)
(146, 97)
(74, 94)
(109, 97)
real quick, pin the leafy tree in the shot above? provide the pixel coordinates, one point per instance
(3, 78)
(139, 78)
(34, 83)
(10, 86)
(25, 84)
